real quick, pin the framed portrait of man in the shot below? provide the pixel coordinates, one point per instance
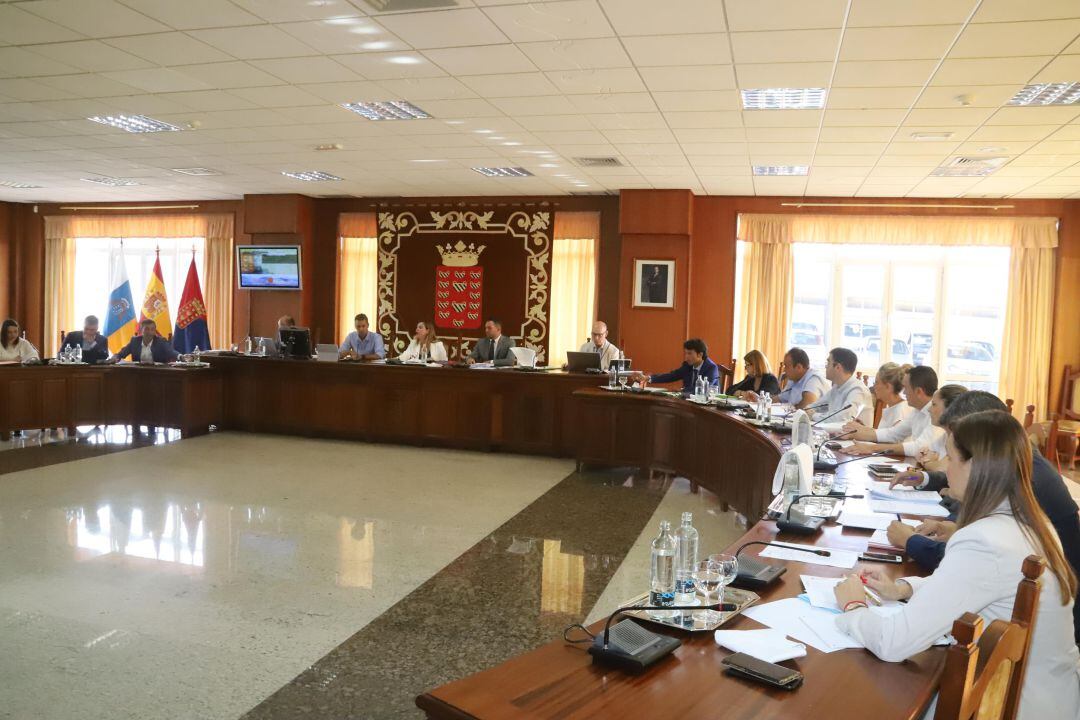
(654, 283)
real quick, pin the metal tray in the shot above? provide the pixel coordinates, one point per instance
(684, 620)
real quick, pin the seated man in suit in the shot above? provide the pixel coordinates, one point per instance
(95, 347)
(361, 344)
(696, 364)
(147, 347)
(598, 343)
(495, 348)
(926, 544)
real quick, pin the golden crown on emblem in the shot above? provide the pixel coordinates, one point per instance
(460, 255)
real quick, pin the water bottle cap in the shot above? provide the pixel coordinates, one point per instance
(687, 517)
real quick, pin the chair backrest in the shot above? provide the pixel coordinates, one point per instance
(1029, 418)
(879, 407)
(984, 670)
(1009, 402)
(1066, 409)
(727, 375)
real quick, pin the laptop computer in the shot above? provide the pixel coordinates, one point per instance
(582, 361)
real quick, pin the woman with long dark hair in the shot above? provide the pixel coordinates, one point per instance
(1000, 524)
(13, 347)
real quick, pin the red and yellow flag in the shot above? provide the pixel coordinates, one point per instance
(155, 304)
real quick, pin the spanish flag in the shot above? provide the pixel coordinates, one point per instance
(120, 317)
(155, 305)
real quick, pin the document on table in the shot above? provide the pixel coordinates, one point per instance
(821, 592)
(899, 507)
(837, 558)
(881, 491)
(482, 366)
(881, 537)
(787, 616)
(867, 520)
(768, 645)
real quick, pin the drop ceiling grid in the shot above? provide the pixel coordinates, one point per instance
(622, 77)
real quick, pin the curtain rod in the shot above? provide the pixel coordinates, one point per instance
(129, 207)
(899, 205)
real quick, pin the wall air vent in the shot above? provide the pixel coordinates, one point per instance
(598, 162)
(965, 166)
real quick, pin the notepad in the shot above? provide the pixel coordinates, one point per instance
(881, 491)
(768, 645)
(900, 507)
(837, 558)
(821, 592)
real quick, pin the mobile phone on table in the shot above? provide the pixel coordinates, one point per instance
(881, 557)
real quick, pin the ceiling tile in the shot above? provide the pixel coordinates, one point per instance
(191, 14)
(628, 121)
(613, 103)
(306, 70)
(1008, 133)
(785, 46)
(1064, 68)
(536, 123)
(785, 118)
(481, 60)
(646, 17)
(18, 26)
(896, 73)
(277, 96)
(228, 75)
(1047, 37)
(577, 54)
(679, 50)
(172, 48)
(389, 66)
(639, 136)
(441, 88)
(17, 62)
(345, 35)
(158, 80)
(444, 28)
(246, 43)
(89, 86)
(988, 71)
(926, 42)
(210, 100)
(856, 134)
(697, 100)
(511, 85)
(612, 80)
(277, 11)
(686, 77)
(1008, 10)
(946, 117)
(1034, 115)
(864, 118)
(449, 109)
(991, 96)
(537, 105)
(90, 55)
(851, 148)
(551, 21)
(866, 98)
(873, 13)
(786, 134)
(784, 14)
(763, 75)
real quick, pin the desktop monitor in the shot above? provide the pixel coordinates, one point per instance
(268, 267)
(295, 342)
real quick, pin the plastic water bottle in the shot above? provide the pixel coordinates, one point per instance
(198, 354)
(662, 572)
(613, 376)
(78, 353)
(686, 540)
(768, 406)
(247, 345)
(65, 354)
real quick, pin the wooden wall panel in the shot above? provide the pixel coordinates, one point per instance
(7, 231)
(656, 212)
(712, 276)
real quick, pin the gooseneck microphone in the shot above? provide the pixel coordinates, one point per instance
(822, 466)
(755, 574)
(722, 607)
(817, 455)
(815, 551)
(809, 524)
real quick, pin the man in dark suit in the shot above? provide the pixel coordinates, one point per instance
(95, 346)
(696, 364)
(927, 546)
(147, 347)
(493, 348)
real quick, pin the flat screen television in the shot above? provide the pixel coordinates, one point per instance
(268, 267)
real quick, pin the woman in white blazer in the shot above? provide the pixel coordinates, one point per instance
(1000, 524)
(13, 347)
(888, 384)
(425, 345)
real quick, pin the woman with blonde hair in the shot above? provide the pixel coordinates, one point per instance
(888, 384)
(425, 345)
(759, 378)
(1000, 524)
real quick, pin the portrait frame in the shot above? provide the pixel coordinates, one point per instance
(654, 283)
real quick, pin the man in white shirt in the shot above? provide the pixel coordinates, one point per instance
(915, 432)
(848, 398)
(599, 344)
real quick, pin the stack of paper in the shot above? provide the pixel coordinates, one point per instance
(790, 551)
(768, 645)
(821, 592)
(881, 491)
(880, 538)
(867, 520)
(900, 507)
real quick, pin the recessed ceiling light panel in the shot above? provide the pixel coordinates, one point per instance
(387, 110)
(135, 123)
(18, 185)
(931, 135)
(110, 181)
(1047, 94)
(783, 99)
(781, 169)
(503, 171)
(195, 171)
(312, 176)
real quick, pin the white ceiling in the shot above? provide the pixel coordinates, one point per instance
(652, 82)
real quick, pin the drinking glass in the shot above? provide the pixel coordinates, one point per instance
(728, 567)
(822, 485)
(707, 579)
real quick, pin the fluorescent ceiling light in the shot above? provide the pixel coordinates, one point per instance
(135, 123)
(783, 99)
(781, 169)
(1048, 94)
(195, 171)
(18, 185)
(931, 135)
(387, 110)
(110, 181)
(312, 176)
(503, 171)
(404, 60)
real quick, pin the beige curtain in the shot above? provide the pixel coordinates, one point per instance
(218, 292)
(573, 282)
(901, 229)
(217, 229)
(1029, 317)
(59, 292)
(357, 269)
(767, 287)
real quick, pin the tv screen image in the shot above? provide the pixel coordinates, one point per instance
(268, 267)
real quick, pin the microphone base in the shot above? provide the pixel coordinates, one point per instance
(755, 575)
(809, 526)
(659, 647)
(825, 467)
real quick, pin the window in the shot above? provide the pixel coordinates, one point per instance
(92, 272)
(923, 305)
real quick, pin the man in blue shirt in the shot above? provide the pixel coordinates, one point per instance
(804, 386)
(696, 364)
(361, 344)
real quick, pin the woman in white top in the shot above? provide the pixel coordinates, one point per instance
(13, 347)
(888, 384)
(1000, 524)
(932, 456)
(425, 345)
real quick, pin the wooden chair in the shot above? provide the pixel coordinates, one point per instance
(879, 407)
(727, 376)
(1009, 404)
(1069, 417)
(984, 670)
